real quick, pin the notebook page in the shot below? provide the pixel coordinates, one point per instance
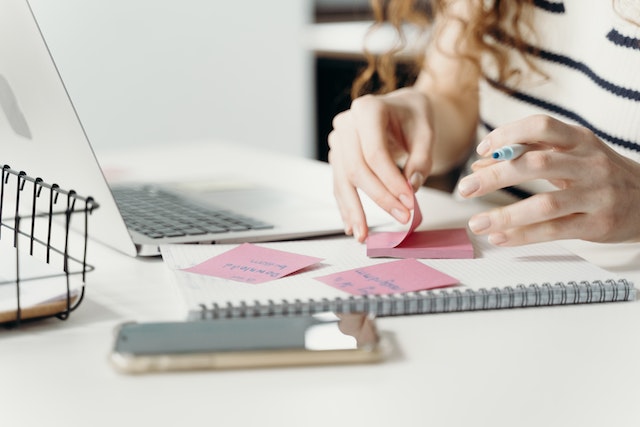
(492, 267)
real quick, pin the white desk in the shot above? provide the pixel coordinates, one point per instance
(573, 365)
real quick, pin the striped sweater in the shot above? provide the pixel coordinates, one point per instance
(590, 54)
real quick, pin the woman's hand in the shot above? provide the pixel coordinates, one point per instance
(379, 145)
(598, 196)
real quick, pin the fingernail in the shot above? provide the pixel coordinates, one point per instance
(497, 239)
(357, 233)
(478, 224)
(468, 186)
(416, 180)
(406, 201)
(400, 215)
(474, 165)
(483, 147)
(348, 231)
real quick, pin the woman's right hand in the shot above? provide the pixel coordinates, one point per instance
(383, 143)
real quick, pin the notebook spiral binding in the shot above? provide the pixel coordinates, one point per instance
(431, 302)
(21, 202)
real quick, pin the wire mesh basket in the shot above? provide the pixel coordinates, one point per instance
(44, 232)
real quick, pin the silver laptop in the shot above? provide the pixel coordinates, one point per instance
(41, 134)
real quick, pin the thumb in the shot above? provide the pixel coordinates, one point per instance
(417, 168)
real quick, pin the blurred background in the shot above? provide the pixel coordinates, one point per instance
(151, 72)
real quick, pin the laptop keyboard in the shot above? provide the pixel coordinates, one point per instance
(158, 214)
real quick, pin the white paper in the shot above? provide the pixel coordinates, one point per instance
(492, 267)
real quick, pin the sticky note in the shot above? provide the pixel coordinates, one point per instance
(451, 243)
(407, 275)
(249, 263)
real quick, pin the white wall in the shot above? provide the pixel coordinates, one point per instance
(164, 71)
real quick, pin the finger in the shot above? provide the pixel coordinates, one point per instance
(417, 170)
(419, 162)
(350, 205)
(373, 187)
(343, 145)
(482, 163)
(351, 172)
(342, 120)
(371, 120)
(541, 129)
(418, 138)
(569, 227)
(351, 210)
(535, 209)
(562, 168)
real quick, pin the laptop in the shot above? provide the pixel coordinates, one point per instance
(41, 133)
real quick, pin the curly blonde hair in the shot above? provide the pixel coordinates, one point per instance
(504, 20)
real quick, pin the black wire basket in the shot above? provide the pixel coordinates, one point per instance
(43, 248)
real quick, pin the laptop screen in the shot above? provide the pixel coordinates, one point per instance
(40, 132)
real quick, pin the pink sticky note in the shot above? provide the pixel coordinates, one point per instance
(407, 275)
(449, 243)
(392, 239)
(253, 264)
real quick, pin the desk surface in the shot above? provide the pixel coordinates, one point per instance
(539, 366)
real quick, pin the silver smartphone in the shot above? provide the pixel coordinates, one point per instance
(324, 338)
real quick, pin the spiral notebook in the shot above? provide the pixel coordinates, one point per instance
(542, 274)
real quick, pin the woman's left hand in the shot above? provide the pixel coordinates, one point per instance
(598, 196)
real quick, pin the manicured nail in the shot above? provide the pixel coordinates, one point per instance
(478, 224)
(416, 180)
(497, 239)
(406, 201)
(400, 215)
(468, 186)
(483, 147)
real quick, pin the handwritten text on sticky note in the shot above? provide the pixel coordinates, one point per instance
(253, 264)
(406, 275)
